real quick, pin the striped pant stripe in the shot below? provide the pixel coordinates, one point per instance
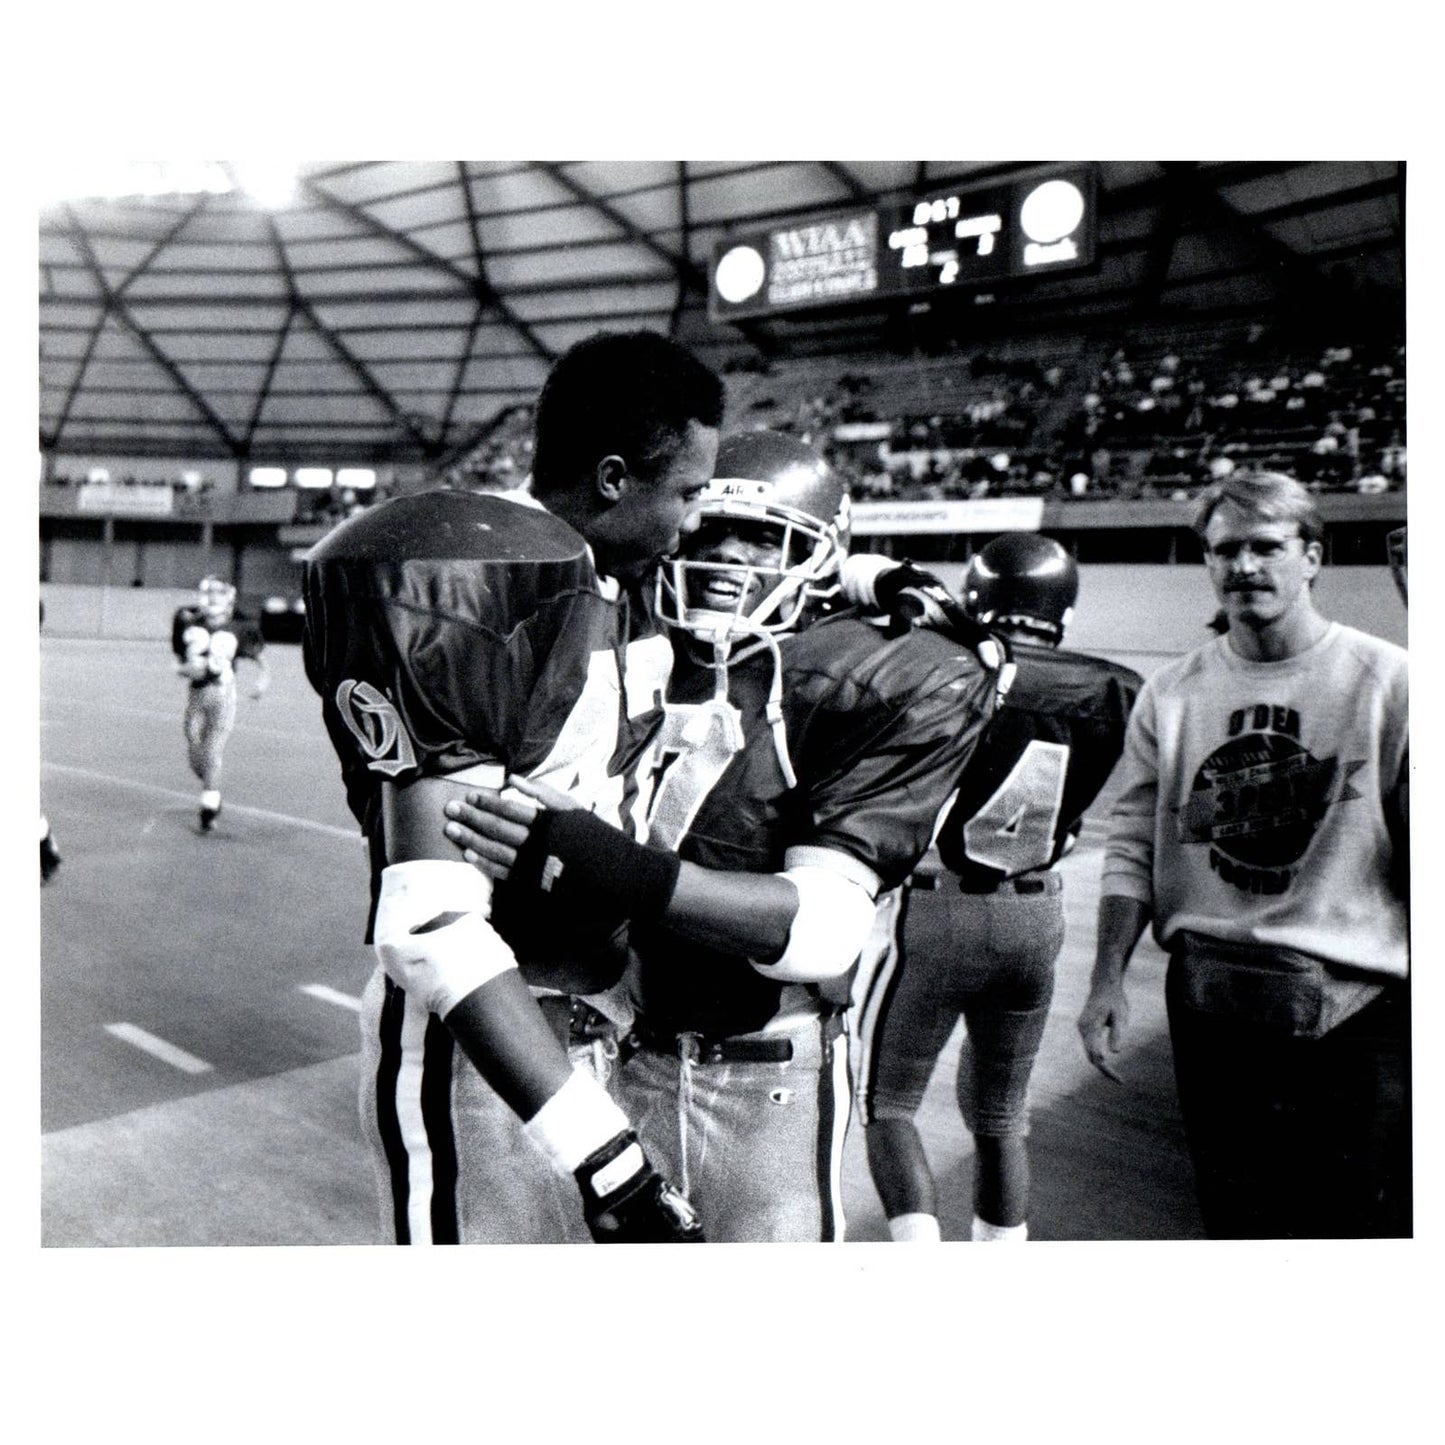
(878, 989)
(834, 1103)
(413, 1106)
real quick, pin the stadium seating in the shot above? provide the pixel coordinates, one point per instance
(1155, 412)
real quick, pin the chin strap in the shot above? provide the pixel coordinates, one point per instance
(773, 712)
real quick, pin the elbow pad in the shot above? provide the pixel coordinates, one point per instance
(432, 933)
(833, 921)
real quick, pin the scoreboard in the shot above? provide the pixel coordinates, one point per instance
(964, 236)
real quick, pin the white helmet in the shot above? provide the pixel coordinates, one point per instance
(217, 597)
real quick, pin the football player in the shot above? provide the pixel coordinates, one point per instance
(810, 759)
(456, 637)
(981, 940)
(209, 638)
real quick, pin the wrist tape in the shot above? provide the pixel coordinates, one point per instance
(577, 1121)
(859, 577)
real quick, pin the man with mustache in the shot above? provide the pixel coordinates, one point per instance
(1263, 827)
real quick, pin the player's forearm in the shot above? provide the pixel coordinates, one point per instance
(1122, 920)
(743, 913)
(804, 924)
(470, 981)
(501, 1028)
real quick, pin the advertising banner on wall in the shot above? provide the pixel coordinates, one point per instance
(987, 514)
(118, 501)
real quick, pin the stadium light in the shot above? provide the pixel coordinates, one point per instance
(268, 476)
(269, 183)
(314, 478)
(359, 479)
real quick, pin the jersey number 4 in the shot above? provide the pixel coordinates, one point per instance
(1014, 830)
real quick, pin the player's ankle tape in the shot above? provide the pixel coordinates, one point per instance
(985, 1233)
(578, 859)
(914, 1229)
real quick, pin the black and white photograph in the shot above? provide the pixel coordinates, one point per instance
(844, 710)
(356, 482)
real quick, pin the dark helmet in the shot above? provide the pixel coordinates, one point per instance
(780, 490)
(1023, 580)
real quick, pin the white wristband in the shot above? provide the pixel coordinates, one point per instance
(576, 1121)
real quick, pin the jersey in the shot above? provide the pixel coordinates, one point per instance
(1040, 763)
(468, 635)
(210, 650)
(878, 730)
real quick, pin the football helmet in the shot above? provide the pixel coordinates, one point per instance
(1023, 580)
(786, 511)
(216, 598)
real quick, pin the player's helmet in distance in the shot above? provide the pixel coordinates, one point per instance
(216, 597)
(772, 532)
(1023, 580)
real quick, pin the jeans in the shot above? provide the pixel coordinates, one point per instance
(1297, 1138)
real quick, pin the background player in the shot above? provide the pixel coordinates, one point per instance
(983, 943)
(813, 758)
(209, 638)
(454, 636)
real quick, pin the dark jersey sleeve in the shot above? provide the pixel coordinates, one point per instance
(448, 629)
(885, 728)
(1040, 763)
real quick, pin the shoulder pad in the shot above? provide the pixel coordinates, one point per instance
(449, 524)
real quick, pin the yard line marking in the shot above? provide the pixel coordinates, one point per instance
(331, 995)
(159, 1048)
(352, 835)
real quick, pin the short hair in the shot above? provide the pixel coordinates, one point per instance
(1271, 495)
(629, 394)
